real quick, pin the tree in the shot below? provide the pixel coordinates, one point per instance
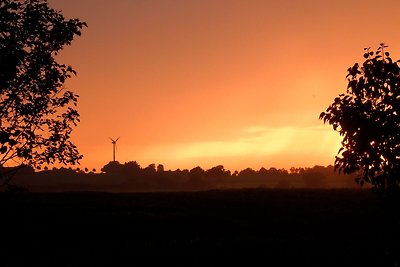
(368, 118)
(37, 114)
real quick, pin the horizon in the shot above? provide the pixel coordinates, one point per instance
(122, 164)
(206, 83)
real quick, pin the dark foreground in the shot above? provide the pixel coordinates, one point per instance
(214, 228)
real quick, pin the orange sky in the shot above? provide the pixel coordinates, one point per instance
(205, 82)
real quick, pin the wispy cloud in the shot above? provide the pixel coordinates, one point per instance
(257, 142)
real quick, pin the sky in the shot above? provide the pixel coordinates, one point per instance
(239, 83)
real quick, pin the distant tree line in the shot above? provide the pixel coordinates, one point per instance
(130, 176)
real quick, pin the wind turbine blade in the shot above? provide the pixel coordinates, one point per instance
(111, 139)
(117, 138)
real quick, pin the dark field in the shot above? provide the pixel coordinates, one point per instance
(213, 228)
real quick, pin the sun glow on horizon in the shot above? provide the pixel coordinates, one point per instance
(301, 144)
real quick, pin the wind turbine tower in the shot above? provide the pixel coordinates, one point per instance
(114, 143)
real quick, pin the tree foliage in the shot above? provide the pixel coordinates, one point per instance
(37, 114)
(367, 116)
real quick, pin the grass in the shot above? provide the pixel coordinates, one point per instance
(248, 227)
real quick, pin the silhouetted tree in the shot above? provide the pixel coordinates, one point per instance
(217, 174)
(196, 176)
(132, 169)
(263, 172)
(160, 168)
(113, 167)
(150, 170)
(368, 118)
(36, 112)
(247, 173)
(294, 170)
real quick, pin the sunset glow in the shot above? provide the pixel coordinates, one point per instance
(209, 82)
(279, 146)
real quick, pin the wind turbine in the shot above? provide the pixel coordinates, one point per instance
(114, 143)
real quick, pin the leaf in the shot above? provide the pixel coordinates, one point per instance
(12, 142)
(4, 137)
(16, 133)
(3, 149)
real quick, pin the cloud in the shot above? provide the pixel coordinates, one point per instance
(256, 142)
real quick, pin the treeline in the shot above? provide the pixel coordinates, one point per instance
(131, 176)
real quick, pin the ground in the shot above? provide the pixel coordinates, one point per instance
(248, 227)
